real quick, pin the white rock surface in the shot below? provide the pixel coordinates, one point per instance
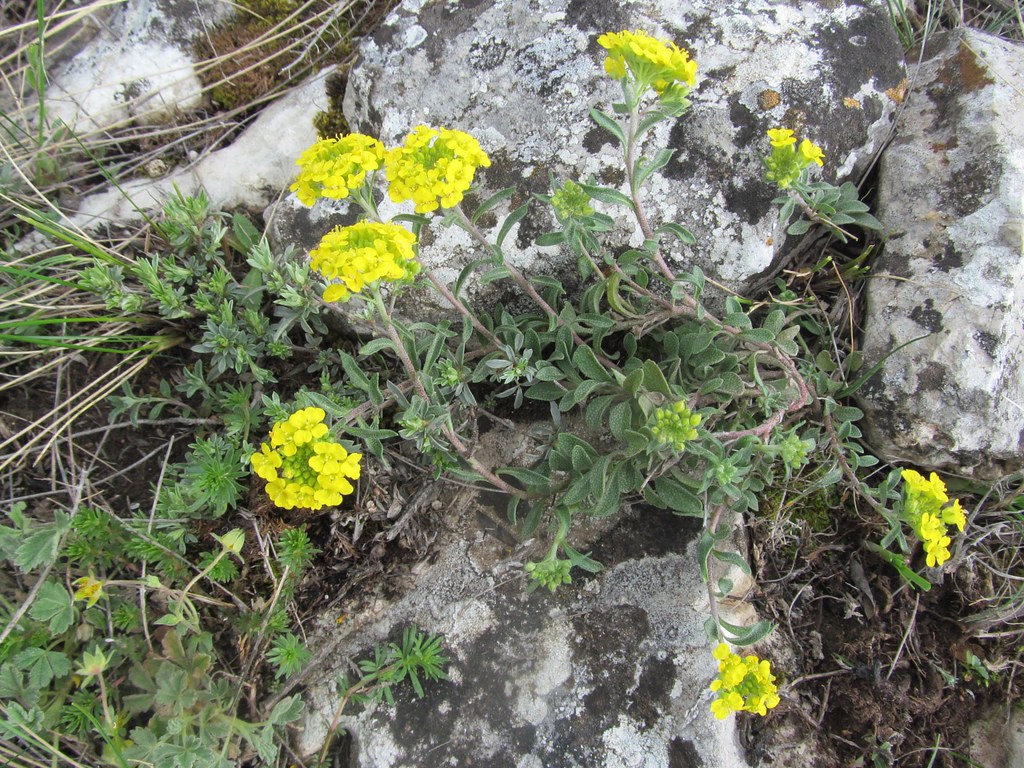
(139, 66)
(250, 173)
(951, 192)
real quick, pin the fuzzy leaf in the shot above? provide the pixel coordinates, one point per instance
(54, 604)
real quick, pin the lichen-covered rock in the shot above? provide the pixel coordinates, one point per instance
(139, 66)
(613, 670)
(951, 193)
(522, 76)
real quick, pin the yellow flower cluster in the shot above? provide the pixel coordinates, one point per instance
(743, 684)
(924, 507)
(653, 63)
(433, 167)
(675, 425)
(335, 167)
(787, 160)
(364, 253)
(301, 468)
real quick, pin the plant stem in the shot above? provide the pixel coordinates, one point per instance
(412, 373)
(634, 192)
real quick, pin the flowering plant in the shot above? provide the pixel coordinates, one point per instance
(334, 167)
(364, 253)
(742, 685)
(302, 469)
(925, 509)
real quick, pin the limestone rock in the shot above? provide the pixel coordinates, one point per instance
(522, 76)
(139, 66)
(250, 173)
(613, 670)
(950, 194)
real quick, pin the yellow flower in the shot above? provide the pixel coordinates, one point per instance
(334, 167)
(433, 167)
(301, 469)
(787, 162)
(924, 511)
(811, 152)
(364, 253)
(653, 63)
(89, 589)
(743, 684)
(781, 137)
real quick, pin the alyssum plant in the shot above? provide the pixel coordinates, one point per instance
(684, 409)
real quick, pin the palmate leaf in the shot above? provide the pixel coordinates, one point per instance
(41, 544)
(43, 666)
(53, 604)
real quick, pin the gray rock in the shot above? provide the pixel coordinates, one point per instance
(997, 738)
(139, 66)
(613, 670)
(950, 192)
(521, 77)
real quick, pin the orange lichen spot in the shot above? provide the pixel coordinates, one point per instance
(851, 103)
(898, 93)
(768, 99)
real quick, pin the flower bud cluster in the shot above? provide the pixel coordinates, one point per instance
(743, 684)
(674, 425)
(302, 469)
(925, 509)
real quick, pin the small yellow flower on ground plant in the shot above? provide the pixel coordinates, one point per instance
(364, 253)
(925, 510)
(334, 167)
(674, 425)
(89, 589)
(652, 63)
(787, 161)
(434, 167)
(301, 467)
(743, 684)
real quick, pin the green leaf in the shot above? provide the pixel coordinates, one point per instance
(41, 545)
(849, 390)
(550, 238)
(581, 561)
(510, 221)
(609, 124)
(608, 195)
(43, 666)
(744, 636)
(799, 227)
(654, 379)
(620, 419)
(492, 202)
(375, 346)
(685, 236)
(530, 479)
(758, 335)
(286, 711)
(354, 372)
(644, 168)
(54, 604)
(586, 361)
(679, 499)
(733, 558)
